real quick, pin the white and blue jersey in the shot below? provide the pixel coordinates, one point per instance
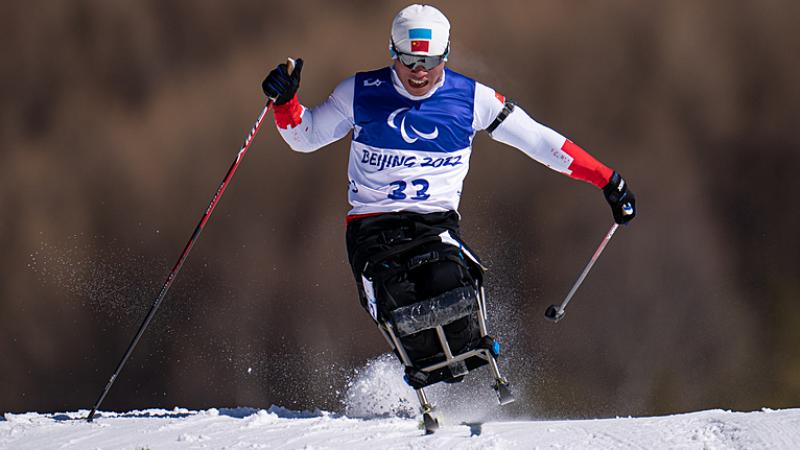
(411, 153)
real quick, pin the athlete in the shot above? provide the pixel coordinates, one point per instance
(413, 124)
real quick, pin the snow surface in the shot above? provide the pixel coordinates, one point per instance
(247, 428)
(380, 411)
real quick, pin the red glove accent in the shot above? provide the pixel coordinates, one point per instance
(288, 114)
(585, 167)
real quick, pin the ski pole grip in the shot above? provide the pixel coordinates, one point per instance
(289, 65)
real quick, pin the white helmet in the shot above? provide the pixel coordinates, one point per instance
(420, 30)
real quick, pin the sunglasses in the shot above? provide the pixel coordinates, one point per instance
(412, 61)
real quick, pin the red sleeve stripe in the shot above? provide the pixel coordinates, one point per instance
(353, 217)
(288, 114)
(585, 167)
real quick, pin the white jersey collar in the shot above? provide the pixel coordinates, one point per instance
(398, 86)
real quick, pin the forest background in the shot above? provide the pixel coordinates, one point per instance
(118, 119)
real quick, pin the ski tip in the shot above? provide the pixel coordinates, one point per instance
(430, 423)
(504, 395)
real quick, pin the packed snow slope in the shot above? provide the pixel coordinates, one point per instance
(278, 428)
(381, 411)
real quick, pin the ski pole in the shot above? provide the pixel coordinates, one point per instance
(174, 272)
(556, 313)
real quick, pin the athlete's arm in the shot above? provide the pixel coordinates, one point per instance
(539, 142)
(510, 124)
(306, 130)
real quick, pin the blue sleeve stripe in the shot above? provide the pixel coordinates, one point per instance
(420, 33)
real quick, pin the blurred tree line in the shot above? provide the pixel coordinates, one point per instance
(118, 119)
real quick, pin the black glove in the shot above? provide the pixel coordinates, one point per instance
(280, 85)
(621, 199)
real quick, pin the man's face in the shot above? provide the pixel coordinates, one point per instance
(418, 81)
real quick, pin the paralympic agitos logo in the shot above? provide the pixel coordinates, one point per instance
(415, 133)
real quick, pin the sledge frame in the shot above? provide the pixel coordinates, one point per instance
(450, 359)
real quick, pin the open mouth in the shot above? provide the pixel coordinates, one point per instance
(418, 83)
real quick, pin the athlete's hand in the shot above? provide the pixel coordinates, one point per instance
(280, 85)
(621, 199)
